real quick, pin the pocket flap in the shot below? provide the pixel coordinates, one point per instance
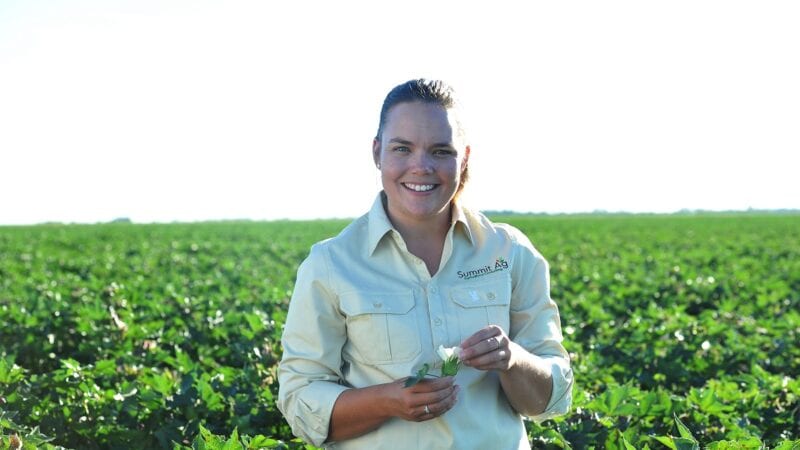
(492, 294)
(357, 303)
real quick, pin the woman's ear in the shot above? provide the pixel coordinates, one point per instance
(466, 159)
(376, 152)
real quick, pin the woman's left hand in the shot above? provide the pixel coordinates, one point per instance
(488, 349)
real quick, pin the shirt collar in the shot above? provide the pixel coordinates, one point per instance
(460, 218)
(379, 224)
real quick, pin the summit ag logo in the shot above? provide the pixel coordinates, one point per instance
(499, 264)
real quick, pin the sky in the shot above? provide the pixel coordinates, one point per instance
(181, 110)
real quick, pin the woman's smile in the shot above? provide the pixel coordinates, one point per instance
(420, 187)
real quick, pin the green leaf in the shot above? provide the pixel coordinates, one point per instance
(627, 445)
(686, 444)
(211, 399)
(684, 430)
(261, 441)
(233, 442)
(255, 322)
(752, 443)
(666, 440)
(646, 403)
(9, 373)
(412, 380)
(105, 367)
(615, 397)
(788, 445)
(211, 441)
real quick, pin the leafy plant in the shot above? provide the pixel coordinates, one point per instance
(143, 336)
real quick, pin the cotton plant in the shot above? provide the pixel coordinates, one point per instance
(450, 365)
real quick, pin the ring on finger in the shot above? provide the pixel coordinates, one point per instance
(427, 410)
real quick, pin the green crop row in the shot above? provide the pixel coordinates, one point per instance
(683, 331)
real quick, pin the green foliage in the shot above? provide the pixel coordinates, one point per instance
(688, 317)
(419, 376)
(206, 440)
(683, 332)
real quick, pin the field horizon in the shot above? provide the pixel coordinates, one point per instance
(489, 212)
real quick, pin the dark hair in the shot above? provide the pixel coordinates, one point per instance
(421, 90)
(426, 91)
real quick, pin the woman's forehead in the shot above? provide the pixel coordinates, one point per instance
(417, 119)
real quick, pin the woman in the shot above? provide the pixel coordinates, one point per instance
(419, 271)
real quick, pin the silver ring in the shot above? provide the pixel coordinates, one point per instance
(427, 410)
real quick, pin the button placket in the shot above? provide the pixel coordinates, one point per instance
(436, 311)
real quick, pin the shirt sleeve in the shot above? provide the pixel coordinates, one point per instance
(309, 373)
(536, 324)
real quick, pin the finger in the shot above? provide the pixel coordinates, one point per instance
(480, 335)
(440, 407)
(496, 360)
(426, 411)
(486, 346)
(491, 344)
(432, 385)
(435, 397)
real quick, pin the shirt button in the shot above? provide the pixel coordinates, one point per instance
(433, 289)
(490, 296)
(437, 321)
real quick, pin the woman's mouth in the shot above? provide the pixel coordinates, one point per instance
(419, 187)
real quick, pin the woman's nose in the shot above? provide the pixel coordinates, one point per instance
(422, 163)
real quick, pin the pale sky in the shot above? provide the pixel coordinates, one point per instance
(200, 110)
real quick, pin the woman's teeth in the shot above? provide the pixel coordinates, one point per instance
(420, 187)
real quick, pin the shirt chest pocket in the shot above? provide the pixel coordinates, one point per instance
(381, 328)
(478, 305)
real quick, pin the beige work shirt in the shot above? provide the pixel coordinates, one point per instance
(365, 311)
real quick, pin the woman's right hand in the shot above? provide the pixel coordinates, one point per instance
(428, 399)
(361, 410)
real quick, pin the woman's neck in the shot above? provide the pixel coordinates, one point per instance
(424, 238)
(419, 228)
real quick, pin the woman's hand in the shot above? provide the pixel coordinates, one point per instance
(425, 400)
(488, 349)
(359, 411)
(526, 379)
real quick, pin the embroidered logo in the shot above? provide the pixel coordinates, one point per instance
(499, 264)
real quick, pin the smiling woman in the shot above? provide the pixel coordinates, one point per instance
(372, 305)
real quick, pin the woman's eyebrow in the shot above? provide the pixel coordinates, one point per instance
(407, 142)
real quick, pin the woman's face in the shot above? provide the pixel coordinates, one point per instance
(420, 161)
